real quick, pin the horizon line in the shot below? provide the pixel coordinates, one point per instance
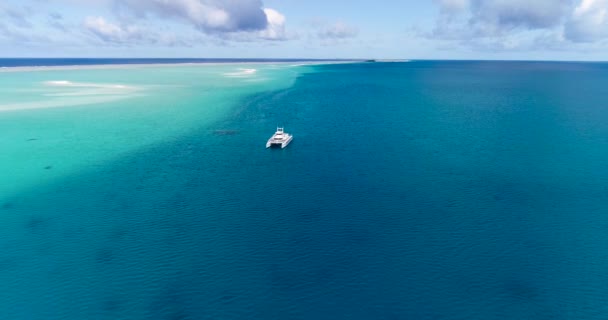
(303, 59)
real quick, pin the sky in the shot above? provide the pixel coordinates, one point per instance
(389, 29)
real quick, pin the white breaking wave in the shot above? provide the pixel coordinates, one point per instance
(63, 93)
(65, 83)
(241, 73)
(59, 103)
(70, 88)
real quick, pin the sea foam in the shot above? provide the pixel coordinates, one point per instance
(243, 72)
(65, 83)
(64, 93)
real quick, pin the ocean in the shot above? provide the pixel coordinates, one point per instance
(56, 62)
(411, 190)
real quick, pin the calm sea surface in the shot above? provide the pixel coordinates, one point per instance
(419, 190)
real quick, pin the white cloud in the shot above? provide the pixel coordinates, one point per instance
(499, 25)
(202, 15)
(275, 27)
(235, 20)
(210, 16)
(527, 14)
(122, 34)
(589, 22)
(483, 18)
(110, 32)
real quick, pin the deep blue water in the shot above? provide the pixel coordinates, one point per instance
(422, 190)
(38, 62)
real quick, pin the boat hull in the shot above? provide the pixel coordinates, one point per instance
(281, 144)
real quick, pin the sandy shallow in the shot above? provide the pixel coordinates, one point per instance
(155, 65)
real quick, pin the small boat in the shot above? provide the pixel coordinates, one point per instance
(279, 138)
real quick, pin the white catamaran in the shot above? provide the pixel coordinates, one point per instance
(279, 138)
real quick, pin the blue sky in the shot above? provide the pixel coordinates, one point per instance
(407, 29)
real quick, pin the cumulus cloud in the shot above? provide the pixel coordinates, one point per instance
(496, 17)
(589, 22)
(206, 15)
(110, 32)
(237, 20)
(520, 24)
(275, 27)
(530, 14)
(145, 22)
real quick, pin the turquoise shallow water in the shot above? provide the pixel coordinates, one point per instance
(75, 120)
(421, 190)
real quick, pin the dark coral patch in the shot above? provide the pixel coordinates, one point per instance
(37, 224)
(225, 132)
(111, 305)
(104, 255)
(227, 298)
